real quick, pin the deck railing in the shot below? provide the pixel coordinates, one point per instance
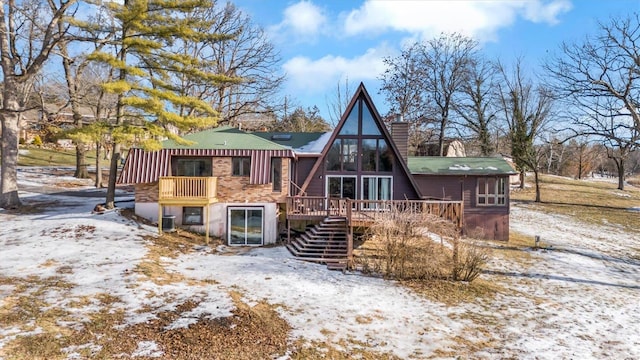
(363, 211)
(187, 188)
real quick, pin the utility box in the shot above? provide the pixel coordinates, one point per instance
(168, 223)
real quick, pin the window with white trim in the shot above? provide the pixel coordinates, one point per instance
(491, 191)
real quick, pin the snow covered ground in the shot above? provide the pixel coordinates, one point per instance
(577, 299)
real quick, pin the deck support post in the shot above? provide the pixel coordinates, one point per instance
(159, 219)
(350, 247)
(206, 226)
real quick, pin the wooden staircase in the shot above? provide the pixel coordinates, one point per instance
(325, 243)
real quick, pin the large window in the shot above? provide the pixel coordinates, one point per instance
(491, 191)
(191, 166)
(241, 166)
(343, 155)
(192, 215)
(376, 155)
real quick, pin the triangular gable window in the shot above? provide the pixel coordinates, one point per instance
(350, 126)
(369, 126)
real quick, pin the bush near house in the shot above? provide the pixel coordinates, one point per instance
(410, 246)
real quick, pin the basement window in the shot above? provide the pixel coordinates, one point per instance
(192, 215)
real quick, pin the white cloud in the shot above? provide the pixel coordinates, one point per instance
(303, 18)
(479, 19)
(305, 74)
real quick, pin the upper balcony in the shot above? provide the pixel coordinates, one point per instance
(187, 190)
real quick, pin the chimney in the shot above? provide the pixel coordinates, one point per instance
(400, 136)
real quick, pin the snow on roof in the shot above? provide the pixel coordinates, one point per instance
(316, 146)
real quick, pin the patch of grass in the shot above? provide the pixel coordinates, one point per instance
(33, 156)
(27, 309)
(453, 293)
(341, 350)
(595, 202)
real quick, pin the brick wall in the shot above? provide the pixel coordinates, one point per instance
(146, 193)
(234, 189)
(237, 188)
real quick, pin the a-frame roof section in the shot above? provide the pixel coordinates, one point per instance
(361, 92)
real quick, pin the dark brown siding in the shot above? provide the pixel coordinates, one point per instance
(402, 187)
(302, 169)
(487, 222)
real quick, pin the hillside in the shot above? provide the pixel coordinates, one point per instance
(75, 284)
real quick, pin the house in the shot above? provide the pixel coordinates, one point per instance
(227, 183)
(482, 184)
(248, 187)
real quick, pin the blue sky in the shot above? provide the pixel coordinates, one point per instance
(324, 42)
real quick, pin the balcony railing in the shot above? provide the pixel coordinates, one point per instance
(369, 211)
(185, 189)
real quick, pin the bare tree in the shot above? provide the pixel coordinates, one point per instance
(28, 33)
(476, 104)
(526, 110)
(337, 105)
(422, 82)
(242, 52)
(446, 60)
(403, 87)
(598, 79)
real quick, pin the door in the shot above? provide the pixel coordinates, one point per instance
(245, 226)
(341, 187)
(376, 188)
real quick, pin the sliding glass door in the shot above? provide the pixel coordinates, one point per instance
(376, 188)
(245, 226)
(341, 187)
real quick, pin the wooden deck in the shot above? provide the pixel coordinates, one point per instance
(187, 190)
(367, 212)
(363, 213)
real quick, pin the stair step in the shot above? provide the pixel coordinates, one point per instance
(315, 256)
(322, 238)
(320, 246)
(337, 265)
(324, 243)
(317, 251)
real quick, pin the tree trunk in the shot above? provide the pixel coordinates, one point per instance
(522, 177)
(98, 167)
(10, 116)
(537, 180)
(81, 162)
(8, 175)
(620, 165)
(113, 176)
(441, 137)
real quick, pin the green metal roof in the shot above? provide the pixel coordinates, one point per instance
(224, 137)
(294, 140)
(434, 165)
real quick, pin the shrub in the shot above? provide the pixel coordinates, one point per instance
(37, 141)
(410, 246)
(470, 262)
